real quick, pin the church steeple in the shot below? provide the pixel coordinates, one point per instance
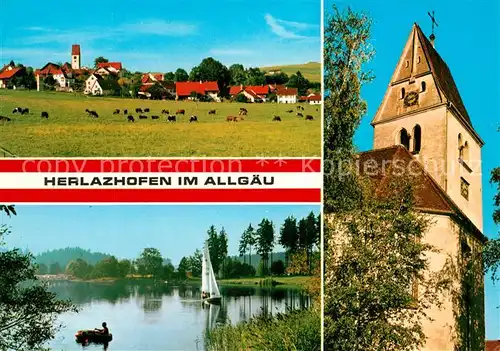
(422, 110)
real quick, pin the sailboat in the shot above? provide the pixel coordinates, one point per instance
(209, 288)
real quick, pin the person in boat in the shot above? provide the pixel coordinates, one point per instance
(104, 330)
(203, 295)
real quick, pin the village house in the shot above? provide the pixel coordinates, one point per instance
(312, 99)
(105, 68)
(150, 80)
(256, 93)
(64, 75)
(99, 85)
(185, 90)
(286, 95)
(9, 72)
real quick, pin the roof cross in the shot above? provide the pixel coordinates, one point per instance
(433, 18)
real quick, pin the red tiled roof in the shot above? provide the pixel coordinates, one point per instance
(314, 97)
(492, 345)
(258, 89)
(49, 68)
(287, 91)
(236, 89)
(145, 78)
(157, 76)
(115, 65)
(9, 73)
(382, 165)
(75, 49)
(303, 98)
(186, 88)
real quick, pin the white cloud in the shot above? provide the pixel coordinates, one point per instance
(279, 27)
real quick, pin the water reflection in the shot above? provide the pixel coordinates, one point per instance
(156, 316)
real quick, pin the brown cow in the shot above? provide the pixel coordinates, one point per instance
(230, 118)
(180, 112)
(239, 118)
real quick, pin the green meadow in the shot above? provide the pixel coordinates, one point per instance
(70, 132)
(310, 70)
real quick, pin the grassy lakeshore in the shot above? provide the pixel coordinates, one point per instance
(297, 281)
(70, 132)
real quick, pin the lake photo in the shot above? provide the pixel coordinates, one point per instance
(147, 277)
(148, 316)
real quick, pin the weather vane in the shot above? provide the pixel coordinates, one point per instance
(433, 18)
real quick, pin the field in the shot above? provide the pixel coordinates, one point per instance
(310, 70)
(70, 132)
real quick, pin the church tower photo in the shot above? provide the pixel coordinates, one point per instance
(422, 118)
(75, 57)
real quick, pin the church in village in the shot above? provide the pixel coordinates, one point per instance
(422, 122)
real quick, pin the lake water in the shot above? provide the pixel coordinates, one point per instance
(154, 316)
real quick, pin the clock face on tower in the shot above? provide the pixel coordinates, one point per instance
(411, 99)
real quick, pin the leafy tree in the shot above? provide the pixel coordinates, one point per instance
(181, 75)
(150, 262)
(236, 269)
(255, 76)
(238, 74)
(297, 263)
(49, 82)
(222, 246)
(99, 60)
(265, 240)
(168, 270)
(124, 268)
(277, 78)
(262, 269)
(212, 70)
(169, 76)
(79, 268)
(42, 269)
(184, 267)
(55, 268)
(289, 235)
(347, 50)
(28, 311)
(196, 263)
(107, 268)
(278, 267)
(491, 255)
(213, 248)
(300, 82)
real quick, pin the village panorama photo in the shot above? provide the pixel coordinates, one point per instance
(176, 82)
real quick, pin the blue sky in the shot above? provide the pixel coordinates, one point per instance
(163, 36)
(468, 39)
(125, 230)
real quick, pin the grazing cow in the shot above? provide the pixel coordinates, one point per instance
(171, 118)
(243, 109)
(15, 110)
(230, 118)
(44, 114)
(317, 110)
(309, 118)
(138, 110)
(131, 118)
(290, 111)
(25, 110)
(143, 117)
(117, 111)
(94, 114)
(180, 112)
(238, 118)
(146, 110)
(166, 112)
(276, 119)
(193, 119)
(211, 112)
(243, 112)
(155, 117)
(299, 107)
(299, 114)
(4, 119)
(125, 112)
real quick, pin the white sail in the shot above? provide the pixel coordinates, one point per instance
(208, 282)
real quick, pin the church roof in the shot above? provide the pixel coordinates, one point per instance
(382, 164)
(432, 63)
(443, 76)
